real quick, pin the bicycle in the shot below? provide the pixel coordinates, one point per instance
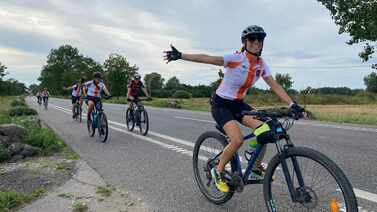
(137, 115)
(39, 100)
(45, 102)
(98, 120)
(286, 184)
(77, 111)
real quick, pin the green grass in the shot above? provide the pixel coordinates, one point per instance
(357, 114)
(37, 193)
(45, 139)
(357, 109)
(104, 191)
(10, 200)
(4, 154)
(79, 206)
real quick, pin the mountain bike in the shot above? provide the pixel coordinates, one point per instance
(45, 102)
(39, 100)
(137, 115)
(77, 111)
(98, 120)
(297, 178)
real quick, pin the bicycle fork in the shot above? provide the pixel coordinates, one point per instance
(297, 194)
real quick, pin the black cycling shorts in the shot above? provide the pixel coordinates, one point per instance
(75, 99)
(96, 100)
(224, 110)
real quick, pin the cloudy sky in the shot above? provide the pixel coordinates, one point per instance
(302, 38)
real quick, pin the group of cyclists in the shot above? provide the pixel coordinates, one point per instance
(93, 89)
(242, 70)
(42, 95)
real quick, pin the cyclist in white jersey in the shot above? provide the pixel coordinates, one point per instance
(93, 92)
(77, 93)
(242, 70)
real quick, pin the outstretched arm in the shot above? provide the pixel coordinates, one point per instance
(174, 54)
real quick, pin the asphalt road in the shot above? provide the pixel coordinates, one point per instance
(158, 168)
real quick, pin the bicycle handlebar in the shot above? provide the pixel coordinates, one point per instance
(267, 114)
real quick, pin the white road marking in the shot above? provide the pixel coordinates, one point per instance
(358, 192)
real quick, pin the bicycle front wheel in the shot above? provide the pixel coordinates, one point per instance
(206, 155)
(318, 184)
(103, 127)
(91, 129)
(143, 122)
(130, 121)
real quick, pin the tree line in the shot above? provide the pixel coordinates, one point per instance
(10, 86)
(65, 66)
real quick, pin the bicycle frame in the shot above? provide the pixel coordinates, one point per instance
(236, 162)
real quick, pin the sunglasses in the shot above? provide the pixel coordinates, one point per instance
(254, 37)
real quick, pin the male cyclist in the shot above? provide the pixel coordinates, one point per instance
(133, 90)
(242, 70)
(94, 89)
(77, 92)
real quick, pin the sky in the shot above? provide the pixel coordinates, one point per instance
(302, 39)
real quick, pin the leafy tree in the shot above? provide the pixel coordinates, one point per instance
(64, 66)
(173, 84)
(118, 72)
(284, 80)
(34, 88)
(12, 87)
(2, 71)
(359, 19)
(371, 82)
(153, 81)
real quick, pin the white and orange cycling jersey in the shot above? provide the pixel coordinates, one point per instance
(45, 94)
(76, 90)
(241, 73)
(94, 89)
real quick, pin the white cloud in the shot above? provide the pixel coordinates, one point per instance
(300, 34)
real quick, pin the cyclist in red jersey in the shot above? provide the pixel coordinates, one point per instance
(134, 88)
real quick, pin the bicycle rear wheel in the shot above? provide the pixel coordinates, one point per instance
(325, 185)
(103, 128)
(206, 155)
(130, 121)
(143, 122)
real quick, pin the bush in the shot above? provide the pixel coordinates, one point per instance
(4, 119)
(22, 111)
(162, 93)
(28, 122)
(4, 154)
(181, 94)
(12, 199)
(45, 139)
(18, 103)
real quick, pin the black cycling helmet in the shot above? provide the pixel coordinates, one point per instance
(252, 30)
(97, 75)
(137, 77)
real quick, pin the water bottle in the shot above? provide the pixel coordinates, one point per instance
(252, 144)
